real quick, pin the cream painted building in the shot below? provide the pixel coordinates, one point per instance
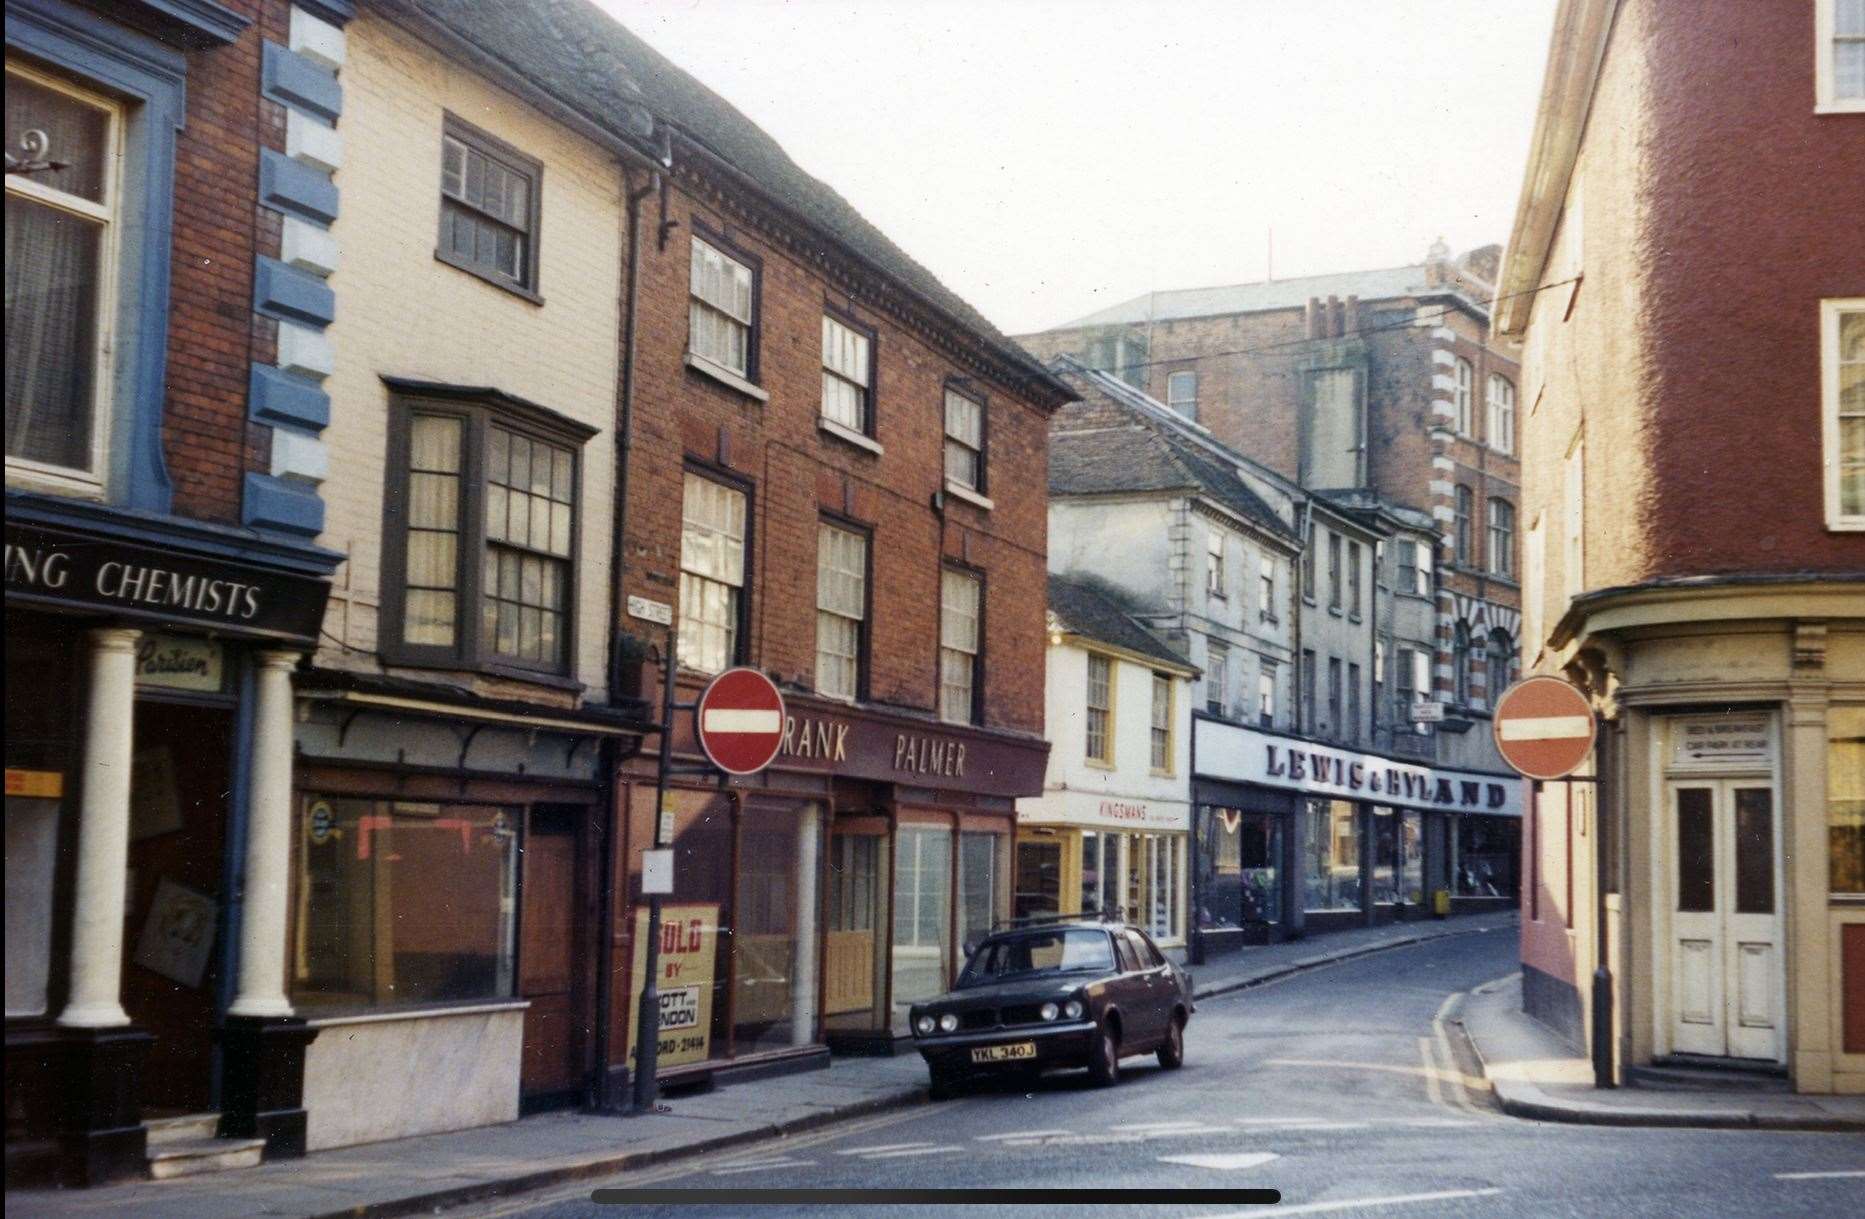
(1111, 831)
(1693, 557)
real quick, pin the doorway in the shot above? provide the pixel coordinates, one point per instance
(854, 951)
(1726, 969)
(550, 964)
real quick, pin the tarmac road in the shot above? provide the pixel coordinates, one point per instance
(1346, 1088)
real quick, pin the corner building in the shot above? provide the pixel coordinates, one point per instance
(1694, 559)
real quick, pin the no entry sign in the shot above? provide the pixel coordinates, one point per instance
(740, 718)
(1544, 727)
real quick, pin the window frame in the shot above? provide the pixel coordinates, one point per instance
(1266, 587)
(1308, 562)
(730, 480)
(1499, 394)
(1217, 677)
(1307, 709)
(1336, 551)
(976, 716)
(1216, 571)
(1335, 679)
(1463, 396)
(1355, 580)
(863, 632)
(1162, 745)
(478, 411)
(981, 486)
(723, 245)
(487, 145)
(1187, 407)
(109, 217)
(1354, 707)
(1832, 311)
(1105, 663)
(870, 392)
(1825, 68)
(1463, 539)
(1501, 519)
(1266, 693)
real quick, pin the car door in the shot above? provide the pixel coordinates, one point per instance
(1142, 1018)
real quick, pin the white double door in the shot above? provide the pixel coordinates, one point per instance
(1726, 969)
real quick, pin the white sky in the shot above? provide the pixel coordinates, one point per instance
(1045, 158)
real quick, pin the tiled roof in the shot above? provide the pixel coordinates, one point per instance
(1109, 443)
(1087, 607)
(589, 62)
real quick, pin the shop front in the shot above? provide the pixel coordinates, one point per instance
(149, 664)
(1291, 837)
(1079, 852)
(814, 902)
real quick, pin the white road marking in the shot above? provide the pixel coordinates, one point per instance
(909, 1151)
(1816, 1176)
(760, 1166)
(1019, 1134)
(1228, 1162)
(1180, 1124)
(862, 1151)
(1544, 728)
(1354, 1204)
(1337, 1065)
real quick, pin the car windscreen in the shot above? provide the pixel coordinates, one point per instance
(1034, 953)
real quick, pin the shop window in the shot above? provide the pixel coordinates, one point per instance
(1038, 878)
(961, 595)
(1100, 867)
(847, 375)
(1412, 859)
(768, 996)
(481, 522)
(922, 915)
(841, 610)
(722, 308)
(1385, 880)
(1845, 800)
(31, 858)
(1162, 724)
(370, 931)
(488, 207)
(1330, 857)
(712, 574)
(1238, 876)
(1487, 850)
(1100, 702)
(1153, 883)
(977, 885)
(855, 952)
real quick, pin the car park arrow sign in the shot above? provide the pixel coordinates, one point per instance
(1544, 727)
(740, 718)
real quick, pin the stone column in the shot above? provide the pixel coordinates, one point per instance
(803, 1003)
(103, 835)
(267, 867)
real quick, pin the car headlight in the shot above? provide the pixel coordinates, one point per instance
(923, 1026)
(948, 1023)
(1073, 1009)
(1050, 1011)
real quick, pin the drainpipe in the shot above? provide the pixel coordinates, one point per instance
(618, 561)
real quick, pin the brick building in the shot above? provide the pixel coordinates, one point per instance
(1694, 556)
(1380, 388)
(162, 577)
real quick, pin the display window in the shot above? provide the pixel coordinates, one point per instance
(1412, 859)
(922, 956)
(1487, 853)
(405, 902)
(1100, 872)
(1038, 887)
(1330, 857)
(854, 974)
(1385, 879)
(1154, 881)
(1239, 879)
(771, 1006)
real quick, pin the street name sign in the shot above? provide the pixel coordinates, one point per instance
(740, 718)
(1544, 727)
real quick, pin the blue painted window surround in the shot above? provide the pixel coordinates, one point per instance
(149, 78)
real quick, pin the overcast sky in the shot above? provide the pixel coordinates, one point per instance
(1046, 158)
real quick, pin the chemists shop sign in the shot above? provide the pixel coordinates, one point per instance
(1241, 755)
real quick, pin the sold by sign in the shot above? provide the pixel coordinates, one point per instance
(689, 938)
(740, 717)
(1544, 727)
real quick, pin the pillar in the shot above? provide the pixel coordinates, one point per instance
(263, 1043)
(803, 977)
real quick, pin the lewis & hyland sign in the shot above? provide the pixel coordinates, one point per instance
(1228, 751)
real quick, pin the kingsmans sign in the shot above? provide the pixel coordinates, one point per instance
(1243, 755)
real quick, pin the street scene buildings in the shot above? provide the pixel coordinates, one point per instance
(414, 407)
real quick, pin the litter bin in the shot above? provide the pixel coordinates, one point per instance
(1441, 902)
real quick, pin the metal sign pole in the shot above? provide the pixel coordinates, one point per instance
(647, 1013)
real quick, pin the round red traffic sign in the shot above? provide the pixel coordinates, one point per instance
(740, 717)
(1544, 727)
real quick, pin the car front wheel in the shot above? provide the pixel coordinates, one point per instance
(1104, 1065)
(943, 1086)
(1172, 1050)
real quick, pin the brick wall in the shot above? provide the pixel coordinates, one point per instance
(794, 472)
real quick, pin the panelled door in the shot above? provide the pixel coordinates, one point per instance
(1726, 968)
(549, 959)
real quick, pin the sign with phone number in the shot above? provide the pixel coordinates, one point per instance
(688, 952)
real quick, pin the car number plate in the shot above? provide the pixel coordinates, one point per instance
(1003, 1053)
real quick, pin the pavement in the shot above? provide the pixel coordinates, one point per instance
(501, 1166)
(1533, 1073)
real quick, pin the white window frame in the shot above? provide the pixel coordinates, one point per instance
(848, 362)
(1215, 579)
(1266, 694)
(47, 476)
(1266, 586)
(1501, 538)
(1099, 703)
(699, 303)
(1184, 404)
(1830, 313)
(973, 445)
(837, 614)
(1463, 397)
(1825, 48)
(1161, 735)
(953, 645)
(1217, 677)
(1500, 392)
(687, 645)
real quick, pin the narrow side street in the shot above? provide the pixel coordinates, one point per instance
(1341, 1087)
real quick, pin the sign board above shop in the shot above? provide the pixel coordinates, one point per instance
(1244, 755)
(1094, 810)
(132, 582)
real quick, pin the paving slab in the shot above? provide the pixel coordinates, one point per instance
(1535, 1074)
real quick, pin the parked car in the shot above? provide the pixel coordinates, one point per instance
(1061, 993)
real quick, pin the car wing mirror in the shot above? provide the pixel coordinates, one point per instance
(970, 947)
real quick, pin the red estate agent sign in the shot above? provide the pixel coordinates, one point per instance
(1544, 727)
(741, 721)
